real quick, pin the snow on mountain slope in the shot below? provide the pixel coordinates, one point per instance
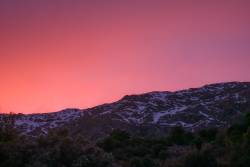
(211, 105)
(41, 123)
(216, 105)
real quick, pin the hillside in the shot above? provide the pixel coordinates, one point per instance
(215, 105)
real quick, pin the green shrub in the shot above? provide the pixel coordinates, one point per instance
(198, 159)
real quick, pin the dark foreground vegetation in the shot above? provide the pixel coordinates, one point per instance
(207, 148)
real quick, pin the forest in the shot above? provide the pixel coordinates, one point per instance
(228, 147)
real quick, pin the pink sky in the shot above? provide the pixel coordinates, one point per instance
(62, 54)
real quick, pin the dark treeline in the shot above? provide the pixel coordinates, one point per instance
(206, 148)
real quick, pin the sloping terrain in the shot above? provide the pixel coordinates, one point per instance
(216, 105)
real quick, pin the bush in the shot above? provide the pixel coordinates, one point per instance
(197, 159)
(143, 162)
(208, 135)
(180, 137)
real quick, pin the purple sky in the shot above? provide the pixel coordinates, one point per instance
(62, 53)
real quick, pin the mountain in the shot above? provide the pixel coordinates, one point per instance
(154, 113)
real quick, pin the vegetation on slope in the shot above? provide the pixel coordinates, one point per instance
(206, 148)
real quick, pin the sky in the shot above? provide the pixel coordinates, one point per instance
(57, 54)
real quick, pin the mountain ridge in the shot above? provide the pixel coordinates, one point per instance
(212, 105)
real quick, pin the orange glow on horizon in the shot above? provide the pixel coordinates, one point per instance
(84, 54)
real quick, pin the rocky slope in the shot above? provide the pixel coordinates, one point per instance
(216, 105)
